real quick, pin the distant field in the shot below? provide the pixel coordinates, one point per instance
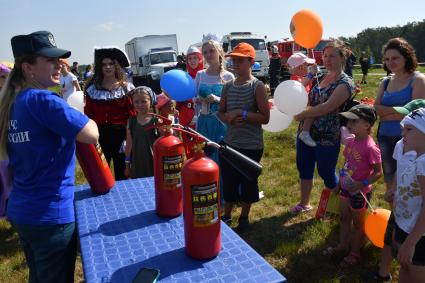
(292, 244)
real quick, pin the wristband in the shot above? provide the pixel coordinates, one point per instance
(245, 115)
(127, 160)
(365, 183)
(310, 76)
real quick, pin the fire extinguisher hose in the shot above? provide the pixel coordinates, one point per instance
(249, 168)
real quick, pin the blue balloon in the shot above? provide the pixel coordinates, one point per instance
(178, 85)
(256, 66)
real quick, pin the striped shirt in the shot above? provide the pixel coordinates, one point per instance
(248, 136)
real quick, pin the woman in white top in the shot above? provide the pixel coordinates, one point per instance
(209, 84)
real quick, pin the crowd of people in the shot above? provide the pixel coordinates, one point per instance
(39, 130)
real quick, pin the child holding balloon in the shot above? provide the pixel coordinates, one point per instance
(300, 66)
(362, 167)
(244, 108)
(408, 237)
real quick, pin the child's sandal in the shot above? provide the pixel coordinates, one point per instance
(352, 258)
(331, 251)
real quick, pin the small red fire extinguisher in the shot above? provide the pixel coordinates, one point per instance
(95, 167)
(168, 162)
(201, 206)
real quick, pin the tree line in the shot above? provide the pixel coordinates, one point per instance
(372, 40)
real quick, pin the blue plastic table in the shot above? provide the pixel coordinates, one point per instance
(120, 233)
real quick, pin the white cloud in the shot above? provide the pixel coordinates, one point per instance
(109, 26)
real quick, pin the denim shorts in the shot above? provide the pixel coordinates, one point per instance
(419, 254)
(389, 164)
(326, 158)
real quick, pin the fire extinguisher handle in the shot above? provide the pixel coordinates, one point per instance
(249, 168)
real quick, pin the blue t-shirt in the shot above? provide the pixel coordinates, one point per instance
(41, 149)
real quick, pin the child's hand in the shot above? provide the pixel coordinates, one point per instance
(355, 187)
(389, 195)
(231, 115)
(238, 121)
(127, 171)
(405, 253)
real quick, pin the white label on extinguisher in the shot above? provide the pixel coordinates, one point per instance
(172, 166)
(205, 205)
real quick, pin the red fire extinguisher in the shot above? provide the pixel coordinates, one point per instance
(168, 162)
(201, 206)
(95, 167)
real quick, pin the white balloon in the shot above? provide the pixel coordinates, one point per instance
(278, 121)
(76, 100)
(290, 97)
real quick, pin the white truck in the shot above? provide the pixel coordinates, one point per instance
(150, 57)
(232, 39)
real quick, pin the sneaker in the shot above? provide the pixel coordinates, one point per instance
(243, 224)
(226, 219)
(299, 208)
(306, 138)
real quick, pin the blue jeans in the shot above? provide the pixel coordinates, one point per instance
(389, 164)
(50, 251)
(326, 158)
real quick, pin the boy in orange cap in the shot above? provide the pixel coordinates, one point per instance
(244, 108)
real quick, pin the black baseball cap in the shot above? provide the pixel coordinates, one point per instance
(37, 43)
(361, 111)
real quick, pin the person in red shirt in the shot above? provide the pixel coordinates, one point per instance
(194, 63)
(108, 104)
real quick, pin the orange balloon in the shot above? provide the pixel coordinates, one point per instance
(306, 28)
(375, 226)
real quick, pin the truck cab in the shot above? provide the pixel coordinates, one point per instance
(150, 57)
(159, 60)
(261, 55)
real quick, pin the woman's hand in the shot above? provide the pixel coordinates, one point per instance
(212, 98)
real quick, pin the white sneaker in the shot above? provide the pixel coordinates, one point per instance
(306, 138)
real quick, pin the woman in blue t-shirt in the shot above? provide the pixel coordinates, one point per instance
(396, 90)
(38, 133)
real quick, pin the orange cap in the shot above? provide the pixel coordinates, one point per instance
(64, 61)
(243, 49)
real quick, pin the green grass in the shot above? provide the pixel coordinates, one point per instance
(292, 244)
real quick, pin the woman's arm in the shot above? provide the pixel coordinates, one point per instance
(385, 113)
(76, 85)
(407, 249)
(418, 87)
(89, 133)
(338, 97)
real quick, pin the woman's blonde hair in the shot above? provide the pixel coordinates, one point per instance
(221, 58)
(15, 82)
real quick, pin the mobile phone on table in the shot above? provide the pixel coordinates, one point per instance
(146, 275)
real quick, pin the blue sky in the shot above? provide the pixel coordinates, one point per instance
(80, 25)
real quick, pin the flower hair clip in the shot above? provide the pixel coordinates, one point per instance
(210, 37)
